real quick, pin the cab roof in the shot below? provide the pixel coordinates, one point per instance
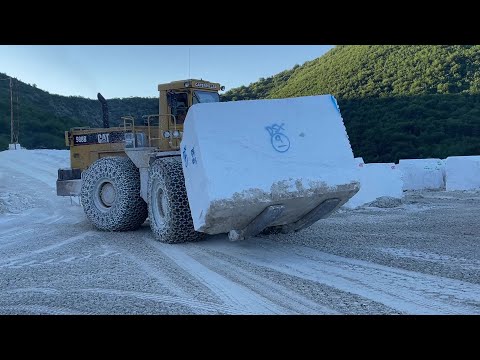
(190, 83)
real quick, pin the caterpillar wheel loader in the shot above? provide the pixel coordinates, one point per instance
(160, 167)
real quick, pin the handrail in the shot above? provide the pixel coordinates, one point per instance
(159, 127)
(130, 120)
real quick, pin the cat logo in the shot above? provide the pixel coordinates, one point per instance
(103, 138)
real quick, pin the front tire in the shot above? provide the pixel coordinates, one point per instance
(168, 208)
(110, 195)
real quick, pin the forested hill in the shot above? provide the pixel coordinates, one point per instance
(44, 117)
(396, 101)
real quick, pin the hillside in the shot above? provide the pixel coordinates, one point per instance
(397, 101)
(44, 117)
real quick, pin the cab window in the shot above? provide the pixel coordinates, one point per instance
(179, 106)
(205, 96)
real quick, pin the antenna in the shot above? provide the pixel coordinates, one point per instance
(189, 62)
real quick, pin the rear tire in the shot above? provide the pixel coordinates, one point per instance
(168, 208)
(110, 195)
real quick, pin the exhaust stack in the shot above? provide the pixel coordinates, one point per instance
(106, 122)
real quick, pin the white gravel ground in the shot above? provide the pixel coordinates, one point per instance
(421, 256)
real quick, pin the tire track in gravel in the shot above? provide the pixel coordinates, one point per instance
(165, 273)
(55, 219)
(418, 255)
(233, 295)
(23, 239)
(24, 219)
(290, 300)
(8, 261)
(203, 307)
(46, 291)
(163, 279)
(14, 233)
(38, 310)
(406, 291)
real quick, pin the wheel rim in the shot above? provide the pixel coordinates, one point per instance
(159, 202)
(107, 194)
(104, 197)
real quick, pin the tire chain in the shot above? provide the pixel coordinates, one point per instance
(178, 224)
(129, 210)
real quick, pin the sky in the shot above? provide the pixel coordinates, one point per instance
(136, 70)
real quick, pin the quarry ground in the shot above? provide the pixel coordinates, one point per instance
(420, 257)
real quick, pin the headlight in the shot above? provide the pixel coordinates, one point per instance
(166, 134)
(176, 134)
(186, 84)
(222, 88)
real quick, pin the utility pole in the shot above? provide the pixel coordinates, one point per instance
(13, 128)
(11, 112)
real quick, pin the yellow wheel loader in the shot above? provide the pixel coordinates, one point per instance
(201, 166)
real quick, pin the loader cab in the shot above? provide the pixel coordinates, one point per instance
(176, 98)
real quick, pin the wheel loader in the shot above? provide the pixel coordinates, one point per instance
(201, 166)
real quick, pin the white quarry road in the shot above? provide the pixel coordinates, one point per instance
(422, 257)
